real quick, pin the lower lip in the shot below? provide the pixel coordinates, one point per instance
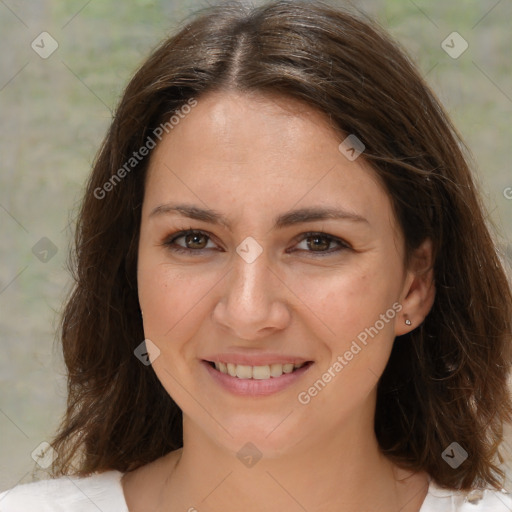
(256, 387)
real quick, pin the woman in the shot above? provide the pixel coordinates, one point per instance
(282, 211)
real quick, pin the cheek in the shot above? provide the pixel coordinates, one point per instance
(357, 310)
(346, 301)
(173, 302)
(170, 298)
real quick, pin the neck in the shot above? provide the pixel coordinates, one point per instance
(341, 471)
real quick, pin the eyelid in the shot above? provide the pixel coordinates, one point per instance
(321, 234)
(169, 241)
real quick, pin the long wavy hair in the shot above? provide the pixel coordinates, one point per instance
(445, 381)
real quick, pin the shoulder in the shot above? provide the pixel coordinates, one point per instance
(101, 491)
(445, 500)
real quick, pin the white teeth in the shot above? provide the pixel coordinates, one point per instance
(288, 368)
(231, 369)
(276, 370)
(256, 372)
(243, 372)
(261, 372)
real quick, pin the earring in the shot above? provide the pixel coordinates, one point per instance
(408, 322)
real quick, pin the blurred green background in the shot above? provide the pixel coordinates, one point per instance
(54, 114)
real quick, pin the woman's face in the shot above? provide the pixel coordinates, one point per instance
(295, 259)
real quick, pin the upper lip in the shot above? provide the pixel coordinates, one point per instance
(255, 359)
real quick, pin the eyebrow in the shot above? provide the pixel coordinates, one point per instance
(286, 219)
(283, 220)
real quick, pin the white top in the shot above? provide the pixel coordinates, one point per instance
(104, 492)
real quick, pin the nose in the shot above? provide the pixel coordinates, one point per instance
(253, 303)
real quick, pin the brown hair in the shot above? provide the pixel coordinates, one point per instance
(446, 381)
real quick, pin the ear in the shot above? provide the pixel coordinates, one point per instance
(419, 290)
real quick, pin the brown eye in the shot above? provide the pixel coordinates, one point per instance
(321, 244)
(195, 241)
(318, 243)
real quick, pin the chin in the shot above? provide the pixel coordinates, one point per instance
(267, 438)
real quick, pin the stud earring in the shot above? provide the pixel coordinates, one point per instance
(408, 322)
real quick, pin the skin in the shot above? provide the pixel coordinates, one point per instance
(250, 158)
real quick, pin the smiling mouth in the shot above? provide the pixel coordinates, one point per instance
(242, 371)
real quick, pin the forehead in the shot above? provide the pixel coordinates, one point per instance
(236, 152)
(238, 128)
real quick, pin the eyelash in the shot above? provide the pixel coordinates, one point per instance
(170, 242)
